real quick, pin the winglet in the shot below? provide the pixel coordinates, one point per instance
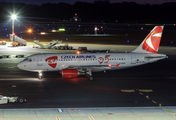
(151, 43)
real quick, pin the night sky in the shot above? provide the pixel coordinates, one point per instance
(39, 2)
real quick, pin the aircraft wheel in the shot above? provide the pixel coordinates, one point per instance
(40, 77)
(21, 100)
(91, 78)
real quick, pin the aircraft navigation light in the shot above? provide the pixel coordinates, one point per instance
(109, 65)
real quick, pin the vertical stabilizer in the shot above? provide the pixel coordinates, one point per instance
(151, 43)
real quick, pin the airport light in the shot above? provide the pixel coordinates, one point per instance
(42, 33)
(61, 29)
(95, 30)
(13, 18)
(29, 31)
(53, 30)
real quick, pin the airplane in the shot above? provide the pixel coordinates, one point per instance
(71, 65)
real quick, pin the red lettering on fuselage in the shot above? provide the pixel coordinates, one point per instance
(101, 59)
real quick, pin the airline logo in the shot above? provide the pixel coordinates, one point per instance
(152, 41)
(52, 61)
(105, 59)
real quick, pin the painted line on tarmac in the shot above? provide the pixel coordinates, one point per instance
(153, 101)
(130, 115)
(169, 111)
(57, 118)
(140, 90)
(149, 90)
(91, 118)
(14, 86)
(35, 79)
(127, 90)
(145, 90)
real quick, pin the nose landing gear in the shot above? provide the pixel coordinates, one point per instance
(40, 75)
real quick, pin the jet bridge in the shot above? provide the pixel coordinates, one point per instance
(47, 46)
(16, 41)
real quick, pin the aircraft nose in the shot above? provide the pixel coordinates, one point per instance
(20, 66)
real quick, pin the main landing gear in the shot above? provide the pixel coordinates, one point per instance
(40, 75)
(89, 75)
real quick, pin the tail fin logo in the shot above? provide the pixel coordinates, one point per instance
(152, 41)
(52, 61)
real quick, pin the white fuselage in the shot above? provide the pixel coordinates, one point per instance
(108, 61)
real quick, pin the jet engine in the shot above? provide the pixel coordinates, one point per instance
(70, 73)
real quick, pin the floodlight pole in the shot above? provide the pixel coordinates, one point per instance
(13, 18)
(13, 31)
(12, 26)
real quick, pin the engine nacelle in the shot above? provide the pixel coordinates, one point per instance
(69, 73)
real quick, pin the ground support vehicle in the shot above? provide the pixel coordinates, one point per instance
(2, 42)
(64, 47)
(11, 99)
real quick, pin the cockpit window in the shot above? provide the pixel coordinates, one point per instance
(27, 59)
